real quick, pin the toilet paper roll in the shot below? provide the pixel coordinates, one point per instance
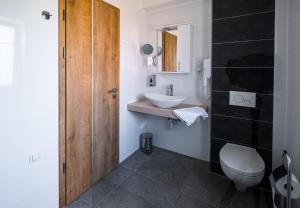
(281, 187)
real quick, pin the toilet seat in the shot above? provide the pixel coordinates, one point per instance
(242, 160)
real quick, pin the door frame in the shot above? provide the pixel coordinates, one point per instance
(62, 101)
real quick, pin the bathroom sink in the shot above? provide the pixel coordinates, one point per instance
(164, 101)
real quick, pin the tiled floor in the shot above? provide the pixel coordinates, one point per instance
(167, 180)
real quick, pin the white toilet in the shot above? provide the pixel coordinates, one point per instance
(242, 165)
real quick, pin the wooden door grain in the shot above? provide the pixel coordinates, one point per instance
(62, 104)
(106, 32)
(169, 52)
(78, 97)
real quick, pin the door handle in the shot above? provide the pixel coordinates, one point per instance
(113, 91)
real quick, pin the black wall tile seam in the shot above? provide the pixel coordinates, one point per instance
(242, 67)
(248, 119)
(243, 15)
(225, 8)
(249, 54)
(263, 111)
(254, 27)
(243, 131)
(272, 94)
(240, 143)
(242, 41)
(214, 139)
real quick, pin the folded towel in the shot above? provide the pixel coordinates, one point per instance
(190, 115)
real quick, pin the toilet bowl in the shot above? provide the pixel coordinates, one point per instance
(242, 165)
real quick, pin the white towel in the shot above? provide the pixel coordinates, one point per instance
(206, 77)
(190, 115)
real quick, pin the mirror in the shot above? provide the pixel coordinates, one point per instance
(147, 49)
(173, 49)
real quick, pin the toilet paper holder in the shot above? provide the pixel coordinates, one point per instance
(285, 186)
(287, 163)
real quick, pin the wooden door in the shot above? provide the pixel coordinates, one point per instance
(62, 104)
(78, 97)
(106, 32)
(169, 52)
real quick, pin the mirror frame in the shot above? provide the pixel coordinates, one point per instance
(155, 57)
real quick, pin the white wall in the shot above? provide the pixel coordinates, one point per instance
(293, 80)
(132, 72)
(29, 104)
(280, 80)
(287, 83)
(293, 87)
(192, 141)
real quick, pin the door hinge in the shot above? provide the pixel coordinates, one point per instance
(64, 168)
(64, 15)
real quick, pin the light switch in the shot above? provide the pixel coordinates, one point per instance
(245, 99)
(34, 157)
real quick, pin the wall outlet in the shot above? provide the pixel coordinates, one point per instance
(34, 157)
(245, 99)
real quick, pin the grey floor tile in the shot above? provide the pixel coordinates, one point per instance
(78, 203)
(252, 198)
(163, 155)
(188, 201)
(121, 198)
(97, 192)
(155, 192)
(167, 180)
(135, 161)
(118, 176)
(210, 187)
(171, 169)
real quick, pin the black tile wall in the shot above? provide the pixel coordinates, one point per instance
(244, 54)
(243, 60)
(263, 110)
(252, 27)
(216, 168)
(243, 131)
(231, 8)
(247, 80)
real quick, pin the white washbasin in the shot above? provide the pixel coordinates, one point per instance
(164, 101)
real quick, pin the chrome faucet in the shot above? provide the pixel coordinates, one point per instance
(170, 90)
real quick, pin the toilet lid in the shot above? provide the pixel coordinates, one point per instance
(243, 160)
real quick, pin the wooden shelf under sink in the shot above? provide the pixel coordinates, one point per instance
(144, 106)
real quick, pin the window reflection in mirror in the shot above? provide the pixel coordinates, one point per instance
(7, 38)
(173, 49)
(12, 50)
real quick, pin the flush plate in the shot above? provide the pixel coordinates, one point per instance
(245, 99)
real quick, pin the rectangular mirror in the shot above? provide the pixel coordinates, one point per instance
(174, 49)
